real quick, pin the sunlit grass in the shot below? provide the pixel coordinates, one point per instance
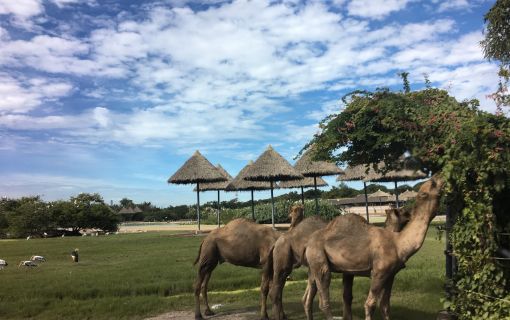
(139, 275)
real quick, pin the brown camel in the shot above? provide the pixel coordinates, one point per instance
(288, 251)
(240, 242)
(351, 246)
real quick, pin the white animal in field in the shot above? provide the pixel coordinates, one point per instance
(38, 258)
(3, 264)
(27, 263)
(28, 238)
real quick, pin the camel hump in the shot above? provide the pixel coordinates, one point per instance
(349, 224)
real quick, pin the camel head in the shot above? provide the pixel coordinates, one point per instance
(429, 194)
(296, 215)
(396, 219)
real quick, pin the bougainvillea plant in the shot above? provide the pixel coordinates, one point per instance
(470, 147)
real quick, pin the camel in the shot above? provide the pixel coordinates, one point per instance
(288, 251)
(240, 242)
(354, 248)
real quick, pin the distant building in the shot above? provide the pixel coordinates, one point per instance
(378, 202)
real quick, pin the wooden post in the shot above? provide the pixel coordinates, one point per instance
(272, 204)
(366, 199)
(302, 197)
(198, 205)
(219, 208)
(396, 193)
(316, 196)
(252, 206)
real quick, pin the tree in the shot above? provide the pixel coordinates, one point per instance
(127, 203)
(496, 46)
(472, 150)
(28, 216)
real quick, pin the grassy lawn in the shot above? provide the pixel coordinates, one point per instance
(139, 275)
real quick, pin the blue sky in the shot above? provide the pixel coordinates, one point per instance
(113, 96)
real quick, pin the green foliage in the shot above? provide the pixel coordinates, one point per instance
(263, 212)
(472, 150)
(34, 217)
(496, 46)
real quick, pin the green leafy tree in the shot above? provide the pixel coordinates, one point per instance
(472, 150)
(28, 216)
(127, 203)
(496, 46)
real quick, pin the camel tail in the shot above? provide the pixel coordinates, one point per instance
(199, 252)
(269, 263)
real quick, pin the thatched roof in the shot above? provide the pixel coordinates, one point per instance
(305, 183)
(240, 184)
(210, 186)
(360, 172)
(311, 168)
(397, 175)
(378, 194)
(129, 210)
(354, 173)
(404, 196)
(196, 169)
(271, 166)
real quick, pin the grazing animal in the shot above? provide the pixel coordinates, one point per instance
(353, 247)
(288, 252)
(38, 258)
(27, 263)
(240, 242)
(75, 256)
(3, 264)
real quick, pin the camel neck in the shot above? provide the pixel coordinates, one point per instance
(411, 238)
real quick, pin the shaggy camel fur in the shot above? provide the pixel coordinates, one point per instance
(351, 246)
(240, 242)
(288, 251)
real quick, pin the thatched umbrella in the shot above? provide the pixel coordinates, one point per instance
(217, 186)
(304, 183)
(197, 169)
(312, 168)
(272, 167)
(407, 173)
(240, 184)
(357, 173)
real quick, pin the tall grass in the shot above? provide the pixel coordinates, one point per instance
(133, 276)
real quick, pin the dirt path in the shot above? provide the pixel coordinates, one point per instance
(187, 315)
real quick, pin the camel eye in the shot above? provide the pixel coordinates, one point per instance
(423, 195)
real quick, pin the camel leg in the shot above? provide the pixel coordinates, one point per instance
(205, 283)
(264, 290)
(282, 267)
(322, 281)
(376, 288)
(310, 292)
(384, 304)
(347, 296)
(198, 285)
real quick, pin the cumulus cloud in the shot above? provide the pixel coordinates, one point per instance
(221, 73)
(23, 95)
(375, 9)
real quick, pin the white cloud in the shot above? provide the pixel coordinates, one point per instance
(453, 5)
(221, 73)
(21, 9)
(64, 3)
(23, 95)
(375, 9)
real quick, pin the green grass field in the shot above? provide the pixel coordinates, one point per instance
(139, 275)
